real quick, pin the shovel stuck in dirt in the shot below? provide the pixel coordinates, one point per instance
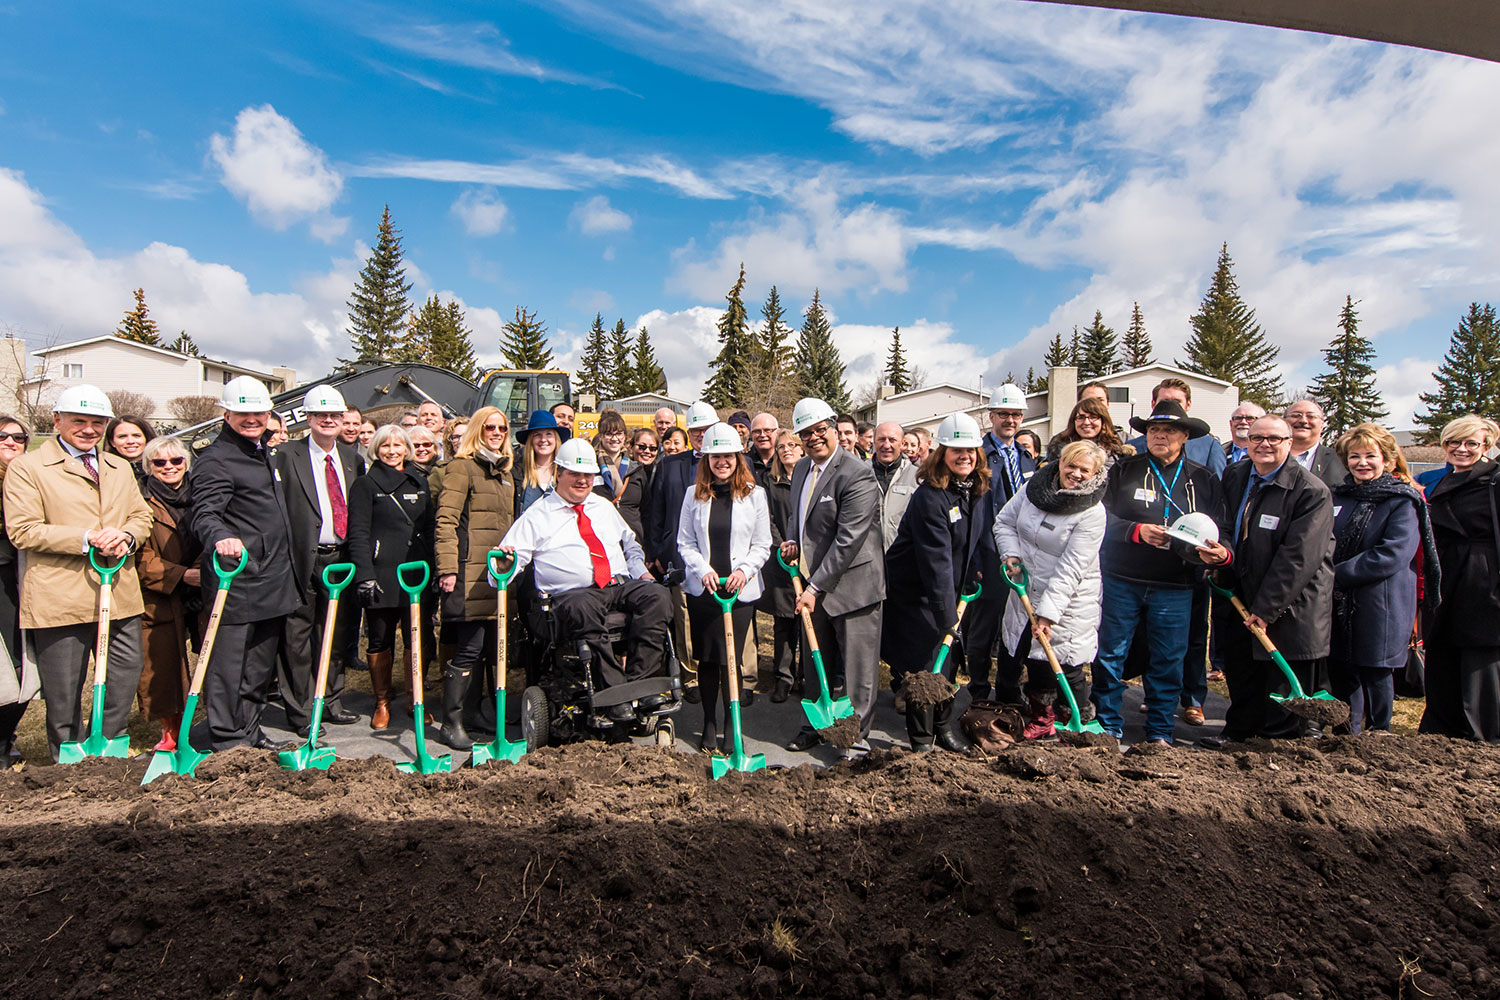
(929, 688)
(499, 748)
(184, 759)
(1075, 723)
(823, 712)
(425, 762)
(310, 754)
(1320, 707)
(96, 744)
(737, 759)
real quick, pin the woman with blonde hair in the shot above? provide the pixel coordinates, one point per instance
(540, 440)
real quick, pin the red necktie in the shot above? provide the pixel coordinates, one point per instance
(596, 548)
(88, 463)
(336, 498)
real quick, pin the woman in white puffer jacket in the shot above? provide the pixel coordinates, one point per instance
(1054, 528)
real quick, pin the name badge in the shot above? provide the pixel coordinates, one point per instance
(1269, 520)
(1336, 510)
(410, 496)
(277, 474)
(899, 490)
(954, 515)
(1146, 495)
(1048, 525)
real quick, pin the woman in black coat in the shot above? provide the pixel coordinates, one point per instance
(945, 539)
(1463, 658)
(643, 451)
(778, 599)
(390, 522)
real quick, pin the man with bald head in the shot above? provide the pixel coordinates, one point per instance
(897, 478)
(663, 420)
(1237, 448)
(1306, 421)
(763, 431)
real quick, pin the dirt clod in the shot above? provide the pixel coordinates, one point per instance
(842, 734)
(1320, 711)
(925, 689)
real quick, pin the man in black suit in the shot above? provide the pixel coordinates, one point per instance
(238, 507)
(1010, 467)
(316, 473)
(1306, 420)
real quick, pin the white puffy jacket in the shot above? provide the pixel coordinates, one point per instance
(1061, 552)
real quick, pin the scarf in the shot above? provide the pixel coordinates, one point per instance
(176, 499)
(1046, 493)
(1347, 542)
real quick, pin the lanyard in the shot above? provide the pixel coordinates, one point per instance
(1169, 503)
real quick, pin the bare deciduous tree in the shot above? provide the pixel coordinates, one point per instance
(191, 410)
(131, 404)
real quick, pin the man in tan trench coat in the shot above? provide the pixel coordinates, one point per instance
(67, 495)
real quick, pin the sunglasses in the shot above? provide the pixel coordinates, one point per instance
(497, 427)
(162, 463)
(645, 447)
(14, 436)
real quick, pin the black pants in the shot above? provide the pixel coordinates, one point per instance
(64, 663)
(705, 617)
(297, 668)
(580, 616)
(787, 634)
(474, 654)
(10, 630)
(381, 626)
(923, 723)
(981, 629)
(239, 674)
(1041, 682)
(1251, 682)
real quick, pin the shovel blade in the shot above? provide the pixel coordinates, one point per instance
(501, 749)
(822, 713)
(183, 760)
(1074, 726)
(305, 756)
(94, 745)
(427, 765)
(737, 762)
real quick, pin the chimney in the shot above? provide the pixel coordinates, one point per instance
(885, 392)
(1062, 394)
(286, 376)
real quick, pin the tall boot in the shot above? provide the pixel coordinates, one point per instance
(1043, 724)
(455, 689)
(380, 680)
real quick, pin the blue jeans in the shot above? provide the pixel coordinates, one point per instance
(1165, 611)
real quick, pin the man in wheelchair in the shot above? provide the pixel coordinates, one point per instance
(586, 558)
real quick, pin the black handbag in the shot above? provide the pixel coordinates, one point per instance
(1410, 680)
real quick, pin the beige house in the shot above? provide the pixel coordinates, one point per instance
(112, 363)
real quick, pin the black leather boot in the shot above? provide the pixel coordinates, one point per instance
(455, 688)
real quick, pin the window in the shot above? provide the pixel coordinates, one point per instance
(73, 371)
(228, 377)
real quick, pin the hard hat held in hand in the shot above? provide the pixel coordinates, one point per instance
(245, 394)
(84, 399)
(958, 430)
(1008, 397)
(1190, 532)
(701, 415)
(577, 455)
(722, 439)
(809, 412)
(323, 399)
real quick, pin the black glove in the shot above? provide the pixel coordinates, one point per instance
(369, 593)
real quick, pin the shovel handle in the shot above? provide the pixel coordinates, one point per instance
(332, 584)
(500, 578)
(1057, 669)
(413, 590)
(725, 603)
(731, 667)
(807, 625)
(790, 568)
(226, 576)
(1018, 585)
(106, 573)
(1270, 647)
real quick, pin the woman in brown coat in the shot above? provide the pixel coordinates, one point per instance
(169, 574)
(474, 511)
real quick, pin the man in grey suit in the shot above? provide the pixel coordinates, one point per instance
(834, 534)
(1306, 420)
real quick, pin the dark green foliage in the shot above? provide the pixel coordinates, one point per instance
(1228, 344)
(436, 334)
(378, 308)
(731, 366)
(593, 377)
(1347, 392)
(1135, 346)
(897, 374)
(647, 374)
(819, 368)
(621, 372)
(523, 341)
(1469, 379)
(138, 324)
(773, 350)
(184, 345)
(1096, 351)
(1059, 354)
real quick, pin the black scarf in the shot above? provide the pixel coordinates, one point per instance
(176, 499)
(1045, 491)
(1346, 543)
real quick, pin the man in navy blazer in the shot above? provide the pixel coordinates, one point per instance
(1010, 467)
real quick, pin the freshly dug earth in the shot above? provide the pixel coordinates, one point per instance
(926, 689)
(1346, 867)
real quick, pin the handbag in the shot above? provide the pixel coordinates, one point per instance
(992, 725)
(1410, 680)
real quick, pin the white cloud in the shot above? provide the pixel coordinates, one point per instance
(482, 211)
(551, 172)
(280, 176)
(597, 216)
(1400, 386)
(475, 46)
(684, 342)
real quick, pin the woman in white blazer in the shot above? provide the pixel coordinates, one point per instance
(1055, 527)
(724, 532)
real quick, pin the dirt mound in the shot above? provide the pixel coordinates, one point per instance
(1345, 867)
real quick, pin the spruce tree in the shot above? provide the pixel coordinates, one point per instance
(897, 374)
(1469, 378)
(592, 376)
(450, 345)
(731, 365)
(378, 308)
(1135, 346)
(1034, 382)
(138, 324)
(819, 368)
(621, 372)
(1228, 344)
(184, 345)
(1347, 392)
(1058, 354)
(1075, 347)
(647, 373)
(1096, 357)
(773, 349)
(523, 342)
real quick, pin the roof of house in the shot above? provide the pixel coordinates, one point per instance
(242, 369)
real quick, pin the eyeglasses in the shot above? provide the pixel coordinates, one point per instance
(502, 428)
(645, 447)
(1268, 438)
(1248, 420)
(419, 445)
(162, 463)
(17, 436)
(1470, 445)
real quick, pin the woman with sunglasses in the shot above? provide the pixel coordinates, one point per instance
(170, 581)
(425, 450)
(13, 699)
(474, 511)
(127, 437)
(643, 450)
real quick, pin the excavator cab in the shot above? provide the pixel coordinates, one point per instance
(519, 392)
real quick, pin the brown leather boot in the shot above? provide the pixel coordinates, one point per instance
(380, 680)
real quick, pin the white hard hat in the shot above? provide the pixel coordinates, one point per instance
(721, 439)
(808, 412)
(577, 455)
(1189, 532)
(323, 399)
(701, 415)
(245, 394)
(1008, 397)
(85, 399)
(958, 430)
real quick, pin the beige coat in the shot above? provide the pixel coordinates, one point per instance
(50, 502)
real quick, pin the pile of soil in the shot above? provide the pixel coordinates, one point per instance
(1346, 867)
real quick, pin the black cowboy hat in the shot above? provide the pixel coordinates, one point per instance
(1170, 413)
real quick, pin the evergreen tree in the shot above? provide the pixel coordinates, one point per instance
(647, 373)
(450, 345)
(1075, 348)
(592, 376)
(1058, 354)
(1227, 343)
(1469, 379)
(1347, 392)
(819, 367)
(621, 371)
(138, 324)
(378, 308)
(1097, 352)
(1034, 382)
(184, 345)
(897, 375)
(732, 364)
(523, 342)
(1135, 347)
(773, 350)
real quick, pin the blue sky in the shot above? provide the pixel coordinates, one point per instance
(981, 174)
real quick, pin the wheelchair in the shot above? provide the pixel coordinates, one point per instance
(565, 697)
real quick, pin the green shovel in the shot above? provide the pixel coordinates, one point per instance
(499, 748)
(425, 762)
(964, 600)
(737, 759)
(96, 744)
(184, 759)
(310, 754)
(822, 711)
(1074, 723)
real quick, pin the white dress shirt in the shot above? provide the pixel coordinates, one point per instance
(547, 536)
(802, 499)
(326, 536)
(1305, 459)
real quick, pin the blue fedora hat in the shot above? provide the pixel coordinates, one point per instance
(543, 420)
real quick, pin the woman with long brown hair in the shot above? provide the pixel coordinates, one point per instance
(1090, 421)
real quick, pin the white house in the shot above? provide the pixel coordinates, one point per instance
(112, 363)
